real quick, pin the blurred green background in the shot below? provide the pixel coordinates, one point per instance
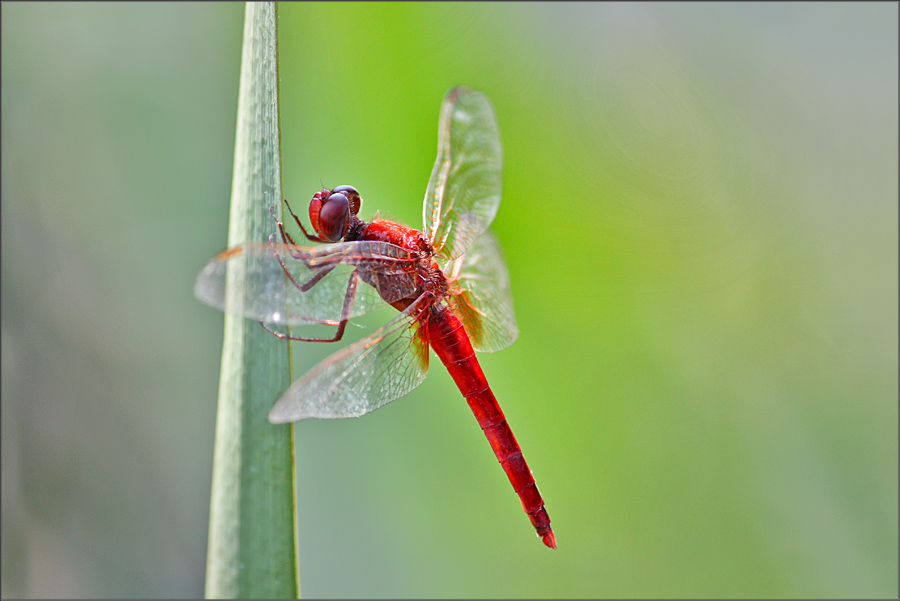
(700, 221)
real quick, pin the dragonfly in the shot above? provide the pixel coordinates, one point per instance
(448, 281)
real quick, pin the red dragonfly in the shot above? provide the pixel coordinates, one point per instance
(448, 281)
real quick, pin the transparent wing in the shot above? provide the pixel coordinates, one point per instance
(318, 283)
(360, 378)
(484, 304)
(464, 190)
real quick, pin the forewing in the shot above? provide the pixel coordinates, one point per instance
(484, 304)
(464, 190)
(263, 290)
(360, 378)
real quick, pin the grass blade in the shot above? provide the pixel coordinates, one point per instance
(252, 551)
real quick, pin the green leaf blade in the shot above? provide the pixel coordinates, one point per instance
(252, 537)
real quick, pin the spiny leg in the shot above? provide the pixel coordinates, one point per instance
(323, 271)
(341, 325)
(285, 237)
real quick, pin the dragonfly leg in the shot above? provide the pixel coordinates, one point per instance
(299, 224)
(285, 237)
(324, 270)
(341, 325)
(338, 335)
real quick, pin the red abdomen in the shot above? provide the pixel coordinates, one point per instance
(450, 342)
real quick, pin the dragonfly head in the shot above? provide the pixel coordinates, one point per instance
(333, 211)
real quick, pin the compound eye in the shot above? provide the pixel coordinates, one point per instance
(352, 195)
(344, 190)
(334, 217)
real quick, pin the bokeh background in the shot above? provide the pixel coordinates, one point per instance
(700, 221)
